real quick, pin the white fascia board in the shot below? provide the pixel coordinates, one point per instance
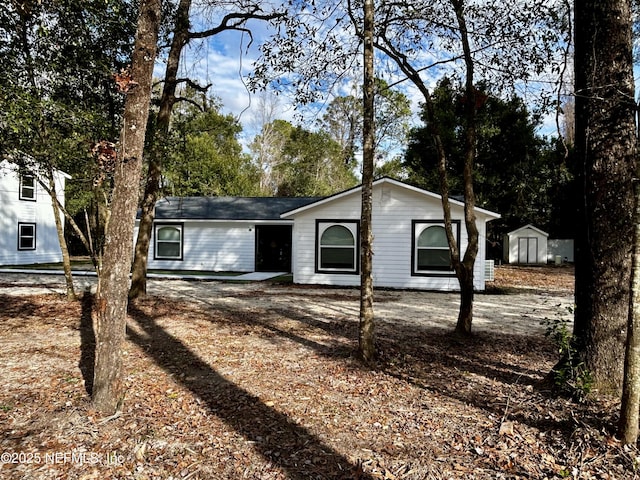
(382, 180)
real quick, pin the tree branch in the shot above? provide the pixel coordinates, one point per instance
(191, 101)
(233, 21)
(194, 85)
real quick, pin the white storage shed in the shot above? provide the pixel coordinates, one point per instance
(526, 245)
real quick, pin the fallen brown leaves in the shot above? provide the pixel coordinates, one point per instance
(227, 393)
(533, 278)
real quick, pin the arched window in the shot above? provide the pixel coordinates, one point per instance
(337, 247)
(168, 242)
(431, 254)
(433, 249)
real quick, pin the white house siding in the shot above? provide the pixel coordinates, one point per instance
(39, 212)
(394, 208)
(213, 246)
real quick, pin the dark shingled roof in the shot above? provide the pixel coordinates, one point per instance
(228, 208)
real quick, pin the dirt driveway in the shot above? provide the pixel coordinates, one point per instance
(519, 301)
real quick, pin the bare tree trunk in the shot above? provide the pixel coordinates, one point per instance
(181, 36)
(111, 305)
(630, 408)
(154, 175)
(66, 260)
(139, 269)
(465, 313)
(464, 268)
(367, 331)
(606, 159)
(59, 209)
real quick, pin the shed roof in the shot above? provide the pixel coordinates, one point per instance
(528, 227)
(228, 208)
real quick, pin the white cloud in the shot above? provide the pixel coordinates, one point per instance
(224, 61)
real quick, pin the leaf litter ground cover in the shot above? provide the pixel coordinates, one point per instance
(261, 381)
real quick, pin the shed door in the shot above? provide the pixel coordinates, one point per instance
(527, 250)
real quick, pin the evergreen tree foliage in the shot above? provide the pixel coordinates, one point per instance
(518, 173)
(206, 157)
(57, 95)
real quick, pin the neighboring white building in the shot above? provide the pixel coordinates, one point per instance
(560, 249)
(27, 225)
(525, 245)
(317, 238)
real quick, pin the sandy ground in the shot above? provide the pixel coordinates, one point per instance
(260, 380)
(518, 311)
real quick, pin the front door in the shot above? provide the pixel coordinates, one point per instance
(273, 248)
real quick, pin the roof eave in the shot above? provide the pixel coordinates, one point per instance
(392, 181)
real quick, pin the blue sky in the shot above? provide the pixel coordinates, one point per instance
(227, 58)
(224, 61)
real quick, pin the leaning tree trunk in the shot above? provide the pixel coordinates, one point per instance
(367, 332)
(57, 214)
(463, 268)
(606, 166)
(60, 211)
(157, 151)
(473, 100)
(141, 253)
(111, 305)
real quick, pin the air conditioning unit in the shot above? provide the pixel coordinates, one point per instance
(489, 268)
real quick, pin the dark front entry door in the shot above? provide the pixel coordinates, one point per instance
(273, 248)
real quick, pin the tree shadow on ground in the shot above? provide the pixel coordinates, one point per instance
(434, 346)
(16, 307)
(343, 332)
(434, 359)
(87, 342)
(281, 441)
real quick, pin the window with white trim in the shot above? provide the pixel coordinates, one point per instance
(431, 254)
(27, 187)
(168, 242)
(337, 246)
(26, 236)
